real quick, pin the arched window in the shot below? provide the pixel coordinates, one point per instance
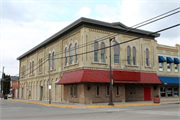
(116, 53)
(65, 56)
(76, 52)
(96, 52)
(147, 57)
(128, 55)
(30, 67)
(41, 64)
(102, 52)
(50, 60)
(53, 60)
(70, 54)
(134, 56)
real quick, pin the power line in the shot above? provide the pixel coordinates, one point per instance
(122, 42)
(115, 34)
(105, 37)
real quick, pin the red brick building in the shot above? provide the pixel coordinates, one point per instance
(15, 87)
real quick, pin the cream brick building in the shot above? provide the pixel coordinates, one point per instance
(78, 78)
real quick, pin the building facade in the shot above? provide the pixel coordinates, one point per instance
(79, 64)
(168, 71)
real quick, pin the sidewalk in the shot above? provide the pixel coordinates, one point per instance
(94, 105)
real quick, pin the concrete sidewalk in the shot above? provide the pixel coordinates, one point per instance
(94, 105)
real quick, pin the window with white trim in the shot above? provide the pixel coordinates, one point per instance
(175, 67)
(32, 67)
(53, 60)
(70, 54)
(169, 67)
(102, 52)
(128, 55)
(147, 57)
(134, 56)
(76, 47)
(116, 53)
(65, 56)
(96, 52)
(160, 66)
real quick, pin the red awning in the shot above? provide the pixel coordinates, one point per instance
(99, 76)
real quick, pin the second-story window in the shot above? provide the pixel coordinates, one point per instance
(134, 56)
(41, 65)
(128, 55)
(65, 56)
(70, 54)
(102, 52)
(76, 47)
(96, 52)
(32, 67)
(53, 60)
(147, 57)
(160, 66)
(49, 63)
(175, 67)
(116, 53)
(169, 67)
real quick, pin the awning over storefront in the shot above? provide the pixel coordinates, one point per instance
(169, 60)
(169, 80)
(161, 59)
(176, 61)
(100, 76)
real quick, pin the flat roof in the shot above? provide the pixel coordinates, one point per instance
(81, 21)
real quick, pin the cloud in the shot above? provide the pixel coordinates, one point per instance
(105, 13)
(17, 39)
(83, 12)
(133, 12)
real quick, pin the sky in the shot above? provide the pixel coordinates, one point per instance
(26, 23)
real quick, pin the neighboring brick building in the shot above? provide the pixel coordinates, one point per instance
(85, 78)
(168, 71)
(15, 87)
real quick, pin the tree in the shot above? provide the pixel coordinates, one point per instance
(5, 83)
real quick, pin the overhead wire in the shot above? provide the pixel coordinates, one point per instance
(106, 37)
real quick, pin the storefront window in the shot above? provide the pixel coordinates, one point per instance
(176, 92)
(169, 91)
(163, 92)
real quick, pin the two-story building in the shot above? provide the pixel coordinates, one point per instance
(168, 71)
(79, 67)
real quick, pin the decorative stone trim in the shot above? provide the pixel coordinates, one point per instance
(100, 31)
(100, 63)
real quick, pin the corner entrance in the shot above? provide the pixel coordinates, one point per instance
(147, 93)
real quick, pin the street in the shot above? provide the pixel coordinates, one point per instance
(23, 111)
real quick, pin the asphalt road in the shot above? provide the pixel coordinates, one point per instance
(23, 111)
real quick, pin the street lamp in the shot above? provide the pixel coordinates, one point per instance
(110, 92)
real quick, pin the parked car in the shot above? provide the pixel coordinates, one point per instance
(9, 95)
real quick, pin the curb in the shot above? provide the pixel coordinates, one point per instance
(41, 104)
(121, 106)
(94, 107)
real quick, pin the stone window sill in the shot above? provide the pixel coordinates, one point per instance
(102, 63)
(71, 65)
(148, 66)
(31, 75)
(132, 66)
(40, 73)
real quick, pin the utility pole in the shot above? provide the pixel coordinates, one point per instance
(2, 82)
(110, 91)
(49, 80)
